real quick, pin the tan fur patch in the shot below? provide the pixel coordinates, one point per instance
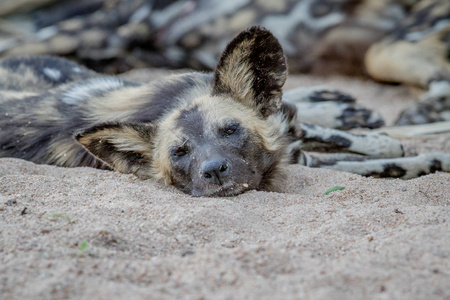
(9, 95)
(117, 105)
(167, 136)
(63, 153)
(237, 74)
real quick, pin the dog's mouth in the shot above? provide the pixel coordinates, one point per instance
(226, 190)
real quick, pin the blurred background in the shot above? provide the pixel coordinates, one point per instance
(113, 36)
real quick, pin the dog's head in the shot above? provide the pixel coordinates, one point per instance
(217, 144)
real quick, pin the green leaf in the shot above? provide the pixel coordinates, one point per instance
(84, 248)
(62, 216)
(333, 189)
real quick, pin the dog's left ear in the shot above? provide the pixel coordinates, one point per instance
(125, 147)
(252, 70)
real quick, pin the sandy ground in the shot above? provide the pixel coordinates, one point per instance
(89, 234)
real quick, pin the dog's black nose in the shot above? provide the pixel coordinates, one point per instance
(215, 170)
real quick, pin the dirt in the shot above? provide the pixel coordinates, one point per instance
(83, 233)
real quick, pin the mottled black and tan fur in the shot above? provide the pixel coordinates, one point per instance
(206, 134)
(214, 134)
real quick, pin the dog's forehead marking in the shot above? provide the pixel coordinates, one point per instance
(191, 121)
(195, 122)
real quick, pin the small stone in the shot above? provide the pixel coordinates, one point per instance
(11, 202)
(24, 211)
(397, 211)
(404, 189)
(187, 252)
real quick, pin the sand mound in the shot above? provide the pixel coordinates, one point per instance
(89, 234)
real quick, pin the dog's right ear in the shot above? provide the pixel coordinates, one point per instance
(252, 70)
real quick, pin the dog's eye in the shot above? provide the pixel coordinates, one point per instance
(230, 129)
(179, 151)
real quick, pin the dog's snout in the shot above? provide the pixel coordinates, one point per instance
(215, 170)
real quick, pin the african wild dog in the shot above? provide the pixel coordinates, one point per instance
(207, 134)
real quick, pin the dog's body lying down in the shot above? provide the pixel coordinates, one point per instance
(208, 135)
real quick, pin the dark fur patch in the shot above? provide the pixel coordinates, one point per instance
(167, 96)
(188, 118)
(267, 67)
(295, 155)
(290, 114)
(289, 111)
(435, 166)
(389, 170)
(353, 116)
(270, 65)
(421, 173)
(321, 96)
(334, 142)
(338, 141)
(332, 159)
